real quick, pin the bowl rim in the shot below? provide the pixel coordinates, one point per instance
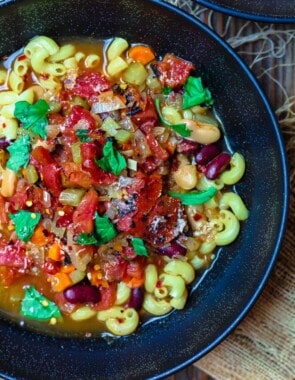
(246, 15)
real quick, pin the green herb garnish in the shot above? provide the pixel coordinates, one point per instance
(19, 153)
(33, 116)
(195, 198)
(82, 135)
(112, 160)
(179, 128)
(195, 94)
(104, 231)
(25, 223)
(139, 247)
(36, 306)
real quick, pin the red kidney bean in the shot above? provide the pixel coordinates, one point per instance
(4, 143)
(207, 153)
(217, 165)
(136, 298)
(173, 249)
(82, 293)
(187, 147)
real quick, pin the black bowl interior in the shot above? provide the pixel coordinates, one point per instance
(234, 282)
(281, 11)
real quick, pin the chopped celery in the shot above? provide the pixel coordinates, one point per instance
(76, 152)
(71, 197)
(110, 126)
(30, 173)
(123, 136)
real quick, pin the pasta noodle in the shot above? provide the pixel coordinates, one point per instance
(114, 189)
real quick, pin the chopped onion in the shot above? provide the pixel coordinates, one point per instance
(107, 102)
(46, 199)
(132, 164)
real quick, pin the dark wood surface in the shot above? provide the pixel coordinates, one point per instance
(190, 373)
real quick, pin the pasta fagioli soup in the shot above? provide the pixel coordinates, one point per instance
(116, 184)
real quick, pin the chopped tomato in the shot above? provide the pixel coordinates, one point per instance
(73, 175)
(36, 196)
(40, 157)
(135, 273)
(14, 256)
(108, 296)
(161, 224)
(156, 148)
(81, 118)
(66, 218)
(90, 83)
(99, 177)
(115, 269)
(83, 216)
(3, 215)
(17, 201)
(51, 175)
(173, 71)
(147, 118)
(89, 152)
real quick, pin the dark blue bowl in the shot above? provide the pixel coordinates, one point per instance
(228, 290)
(274, 11)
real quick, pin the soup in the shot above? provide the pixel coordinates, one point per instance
(116, 184)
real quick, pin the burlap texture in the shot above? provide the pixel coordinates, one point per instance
(262, 347)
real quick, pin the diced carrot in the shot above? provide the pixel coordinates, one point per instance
(68, 269)
(60, 281)
(41, 236)
(133, 282)
(55, 253)
(142, 54)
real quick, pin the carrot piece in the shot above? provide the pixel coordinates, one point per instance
(68, 269)
(60, 281)
(141, 53)
(55, 253)
(133, 282)
(41, 236)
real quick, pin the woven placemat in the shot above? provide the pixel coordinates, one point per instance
(262, 347)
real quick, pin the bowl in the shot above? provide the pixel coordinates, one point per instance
(264, 11)
(224, 294)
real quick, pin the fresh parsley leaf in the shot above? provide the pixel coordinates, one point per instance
(36, 306)
(25, 223)
(19, 153)
(112, 160)
(82, 135)
(33, 116)
(179, 128)
(195, 198)
(195, 94)
(139, 247)
(167, 90)
(86, 239)
(104, 229)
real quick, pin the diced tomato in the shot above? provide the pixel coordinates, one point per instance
(51, 175)
(89, 152)
(99, 177)
(83, 217)
(50, 267)
(108, 297)
(90, 83)
(17, 201)
(14, 256)
(81, 118)
(150, 164)
(67, 218)
(161, 224)
(115, 269)
(135, 222)
(156, 148)
(136, 267)
(147, 118)
(173, 71)
(40, 157)
(3, 214)
(36, 196)
(73, 175)
(128, 253)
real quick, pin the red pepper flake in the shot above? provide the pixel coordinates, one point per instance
(3, 125)
(197, 217)
(159, 284)
(44, 76)
(21, 57)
